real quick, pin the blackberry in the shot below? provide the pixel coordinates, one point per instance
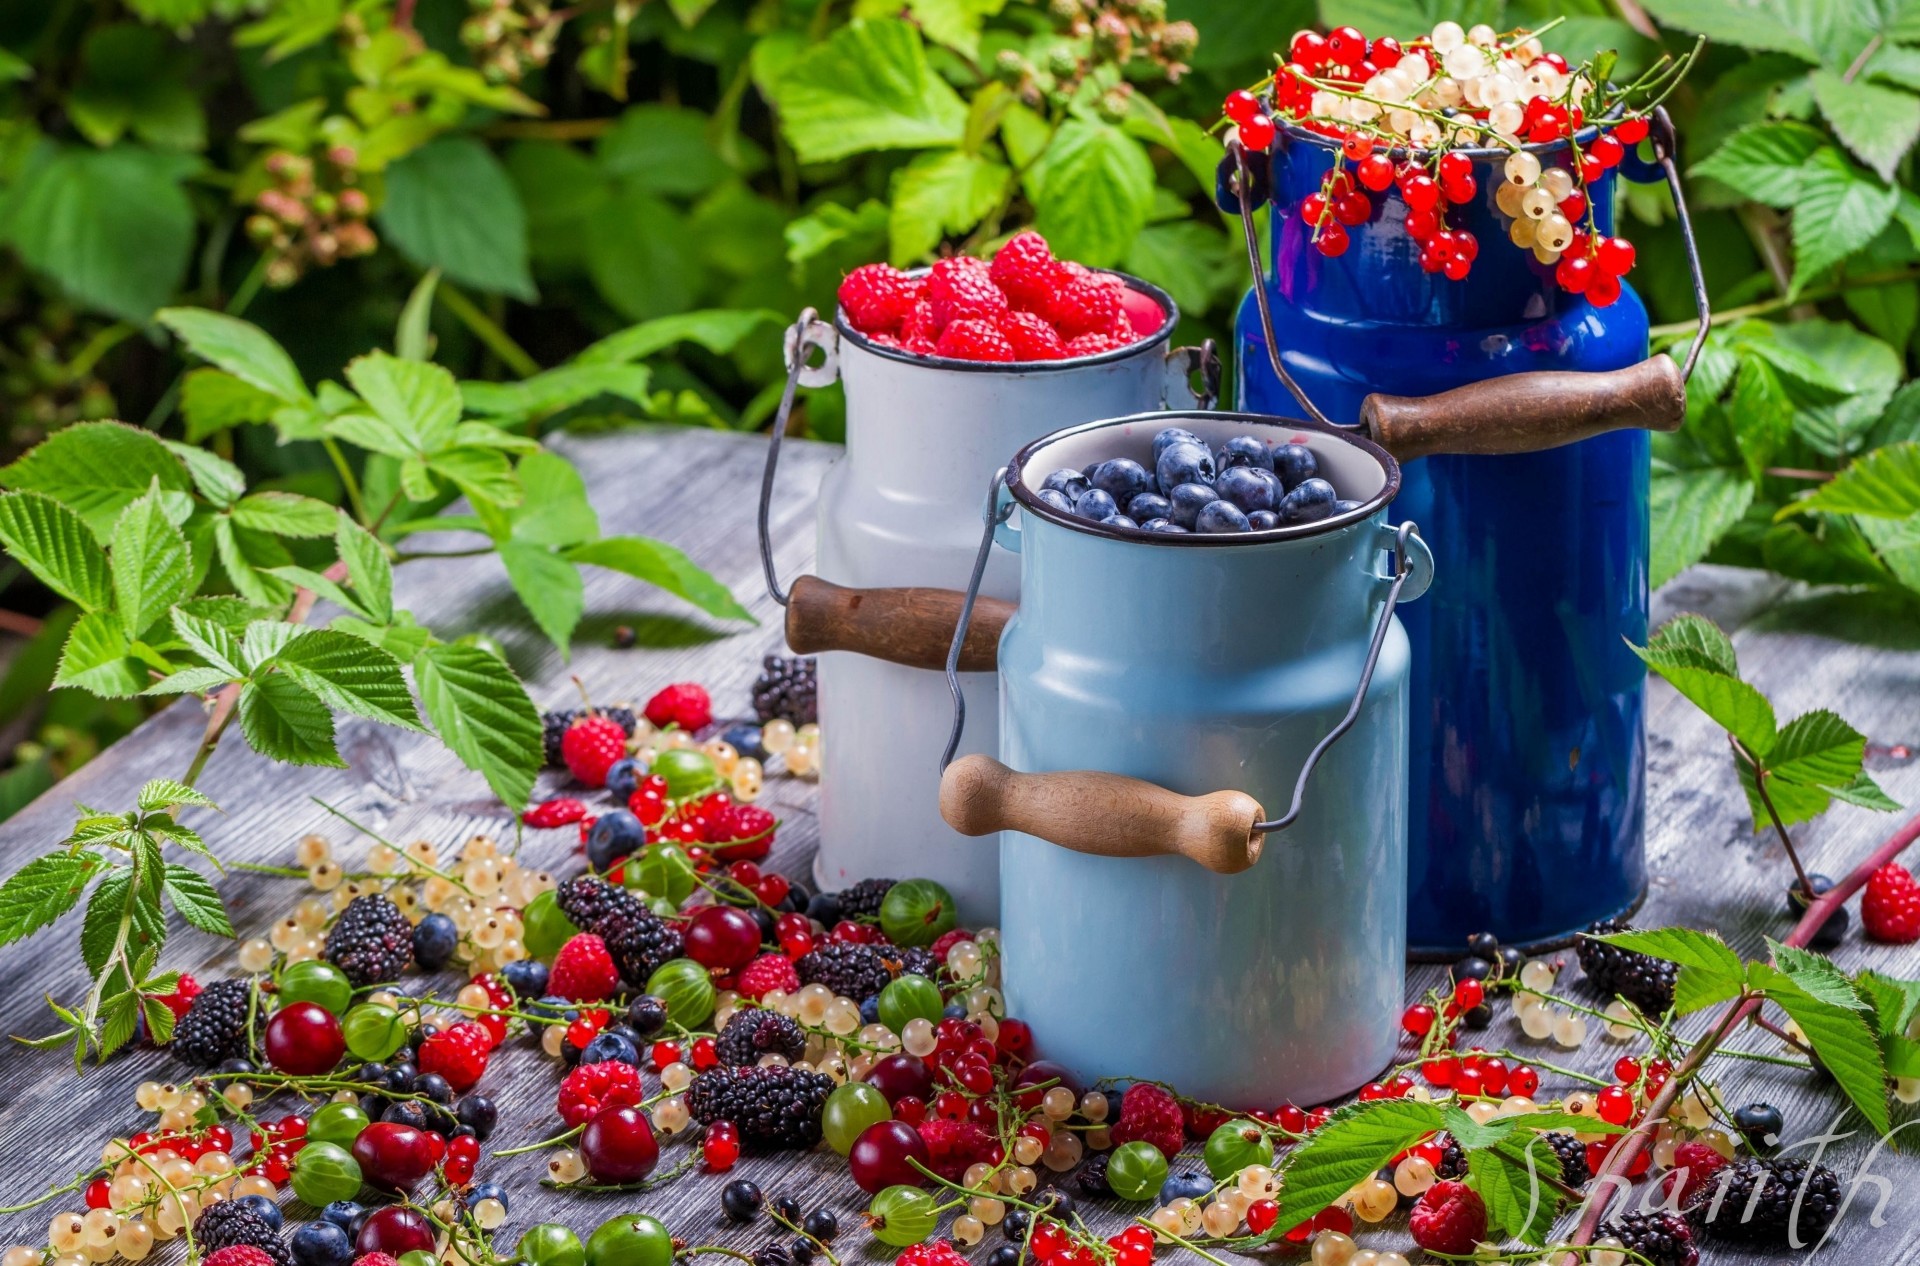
(917, 961)
(587, 901)
(751, 1033)
(639, 942)
(1644, 981)
(233, 1222)
(1573, 1158)
(772, 1253)
(1092, 1178)
(1664, 1239)
(371, 941)
(773, 1106)
(214, 1029)
(1728, 1208)
(555, 723)
(1453, 1159)
(862, 901)
(850, 970)
(787, 688)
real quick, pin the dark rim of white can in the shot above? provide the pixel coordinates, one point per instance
(1028, 497)
(1159, 337)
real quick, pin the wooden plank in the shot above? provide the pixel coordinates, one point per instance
(695, 488)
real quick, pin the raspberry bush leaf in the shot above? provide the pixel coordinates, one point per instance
(151, 565)
(1511, 1179)
(241, 349)
(1352, 1144)
(1840, 1036)
(98, 469)
(197, 900)
(285, 721)
(168, 793)
(53, 542)
(481, 711)
(868, 87)
(350, 675)
(43, 890)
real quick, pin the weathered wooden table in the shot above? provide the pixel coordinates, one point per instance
(695, 488)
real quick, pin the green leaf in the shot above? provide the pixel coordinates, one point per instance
(868, 87)
(166, 793)
(1695, 990)
(947, 191)
(1700, 950)
(55, 544)
(131, 82)
(197, 900)
(638, 256)
(1766, 162)
(483, 474)
(368, 568)
(549, 587)
(482, 713)
(1786, 26)
(418, 401)
(1866, 793)
(286, 514)
(556, 510)
(152, 568)
(1817, 749)
(43, 890)
(1732, 704)
(1894, 1002)
(1762, 413)
(285, 721)
(216, 644)
(1091, 189)
(242, 349)
(213, 400)
(245, 556)
(1884, 483)
(664, 566)
(1840, 210)
(1816, 975)
(350, 675)
(1186, 259)
(1840, 1036)
(662, 148)
(290, 26)
(556, 389)
(1863, 370)
(160, 1021)
(1693, 641)
(1352, 1144)
(115, 898)
(719, 330)
(97, 658)
(1877, 123)
(214, 477)
(1519, 1203)
(111, 228)
(451, 206)
(413, 340)
(322, 586)
(98, 469)
(1691, 510)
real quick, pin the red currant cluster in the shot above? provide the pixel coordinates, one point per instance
(274, 1144)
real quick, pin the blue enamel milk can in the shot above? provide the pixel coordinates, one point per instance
(1528, 749)
(1155, 692)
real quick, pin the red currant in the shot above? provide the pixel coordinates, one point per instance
(1632, 131)
(648, 805)
(1240, 105)
(1614, 1105)
(1357, 146)
(1261, 1215)
(1440, 1072)
(1375, 172)
(721, 1147)
(1604, 290)
(1469, 993)
(910, 1108)
(1615, 256)
(1574, 273)
(1291, 1119)
(1421, 192)
(1015, 1037)
(950, 1104)
(1333, 240)
(1385, 53)
(1608, 150)
(1417, 1019)
(99, 1194)
(1523, 1081)
(705, 1054)
(1313, 209)
(664, 1053)
(1257, 133)
(1626, 1070)
(1590, 169)
(772, 889)
(1309, 49)
(1461, 190)
(1455, 167)
(1422, 225)
(1574, 206)
(1347, 46)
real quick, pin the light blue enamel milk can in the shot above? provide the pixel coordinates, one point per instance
(1156, 691)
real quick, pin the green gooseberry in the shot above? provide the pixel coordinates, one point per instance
(1135, 1170)
(902, 1216)
(1235, 1145)
(917, 912)
(551, 1244)
(687, 988)
(373, 1031)
(849, 1110)
(319, 982)
(665, 872)
(337, 1123)
(911, 997)
(417, 1257)
(545, 927)
(688, 771)
(324, 1173)
(632, 1239)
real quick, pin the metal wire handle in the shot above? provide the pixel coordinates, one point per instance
(997, 512)
(803, 337)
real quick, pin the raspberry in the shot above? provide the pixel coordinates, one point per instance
(946, 942)
(1026, 271)
(1031, 337)
(240, 1255)
(591, 1088)
(1450, 1218)
(684, 704)
(919, 330)
(1085, 302)
(563, 811)
(375, 1259)
(1094, 344)
(970, 339)
(181, 999)
(954, 1145)
(1890, 907)
(961, 288)
(458, 1053)
(932, 1253)
(1694, 1165)
(765, 974)
(590, 747)
(1148, 1112)
(741, 832)
(878, 297)
(583, 971)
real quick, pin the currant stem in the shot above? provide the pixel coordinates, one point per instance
(557, 1139)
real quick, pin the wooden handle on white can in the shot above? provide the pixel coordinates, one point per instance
(1107, 815)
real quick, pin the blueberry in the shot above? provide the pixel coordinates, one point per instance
(408, 1112)
(745, 739)
(548, 1005)
(269, 1211)
(1056, 500)
(647, 1014)
(478, 1112)
(825, 907)
(1096, 505)
(1483, 945)
(527, 977)
(1191, 1185)
(1121, 520)
(1166, 526)
(610, 1047)
(1294, 463)
(1480, 1017)
(359, 1221)
(1187, 500)
(341, 1213)
(236, 1066)
(321, 1244)
(953, 1011)
(1262, 520)
(434, 1087)
(434, 940)
(1183, 464)
(1219, 517)
(741, 1200)
(1168, 437)
(1833, 931)
(870, 1010)
(1311, 501)
(1122, 478)
(769, 926)
(1067, 482)
(623, 777)
(1343, 506)
(1245, 450)
(486, 1191)
(1148, 505)
(1762, 1125)
(615, 834)
(1250, 488)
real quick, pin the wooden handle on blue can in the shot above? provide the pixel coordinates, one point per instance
(1525, 413)
(913, 627)
(1107, 815)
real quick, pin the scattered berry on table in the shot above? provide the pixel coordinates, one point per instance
(862, 900)
(458, 1053)
(1149, 1113)
(1664, 1239)
(1763, 1202)
(214, 1028)
(684, 704)
(241, 1255)
(774, 1106)
(560, 811)
(435, 938)
(1890, 905)
(1450, 1218)
(372, 941)
(1644, 981)
(787, 688)
(1694, 1165)
(1761, 1124)
(592, 744)
(850, 970)
(741, 1200)
(588, 900)
(583, 970)
(231, 1223)
(639, 942)
(766, 974)
(555, 725)
(750, 1033)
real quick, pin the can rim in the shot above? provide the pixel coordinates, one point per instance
(1030, 503)
(1160, 336)
(1294, 131)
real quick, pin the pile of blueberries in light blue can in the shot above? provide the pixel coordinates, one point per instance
(1247, 486)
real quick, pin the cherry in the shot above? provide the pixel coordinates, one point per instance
(618, 1145)
(901, 1076)
(394, 1230)
(881, 1156)
(304, 1040)
(394, 1155)
(1257, 133)
(1240, 105)
(721, 1147)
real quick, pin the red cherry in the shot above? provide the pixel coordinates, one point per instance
(618, 1145)
(394, 1230)
(394, 1156)
(1385, 53)
(1333, 240)
(1417, 1019)
(1257, 133)
(1615, 256)
(721, 1147)
(1347, 46)
(881, 1156)
(304, 1040)
(1375, 172)
(1523, 1081)
(723, 937)
(1632, 131)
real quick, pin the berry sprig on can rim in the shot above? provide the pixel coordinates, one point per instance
(1408, 116)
